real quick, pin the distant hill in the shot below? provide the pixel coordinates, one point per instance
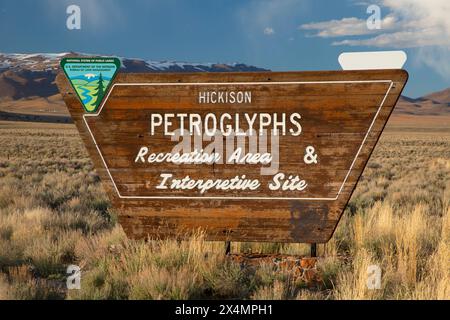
(440, 96)
(27, 81)
(27, 86)
(430, 111)
(28, 75)
(424, 106)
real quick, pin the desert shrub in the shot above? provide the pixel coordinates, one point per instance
(54, 212)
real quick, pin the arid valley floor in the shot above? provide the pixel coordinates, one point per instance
(53, 213)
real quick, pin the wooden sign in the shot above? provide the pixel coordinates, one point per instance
(271, 156)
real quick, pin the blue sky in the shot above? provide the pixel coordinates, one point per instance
(276, 34)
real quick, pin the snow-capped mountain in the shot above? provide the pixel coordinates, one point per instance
(50, 61)
(28, 75)
(27, 82)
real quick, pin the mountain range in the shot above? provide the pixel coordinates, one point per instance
(27, 87)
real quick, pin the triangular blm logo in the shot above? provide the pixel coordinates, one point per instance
(90, 78)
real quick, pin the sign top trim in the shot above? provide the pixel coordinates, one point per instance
(230, 83)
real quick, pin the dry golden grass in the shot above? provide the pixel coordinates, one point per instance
(53, 213)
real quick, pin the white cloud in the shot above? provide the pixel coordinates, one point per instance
(423, 25)
(346, 27)
(398, 40)
(268, 31)
(410, 23)
(436, 57)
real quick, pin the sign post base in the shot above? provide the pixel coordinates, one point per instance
(313, 250)
(227, 248)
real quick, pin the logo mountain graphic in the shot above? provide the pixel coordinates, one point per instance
(90, 78)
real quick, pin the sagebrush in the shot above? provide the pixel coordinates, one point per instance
(53, 212)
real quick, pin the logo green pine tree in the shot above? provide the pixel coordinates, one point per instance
(100, 91)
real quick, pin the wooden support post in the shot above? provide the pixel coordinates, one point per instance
(227, 247)
(313, 250)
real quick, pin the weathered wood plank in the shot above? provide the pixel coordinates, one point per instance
(335, 119)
